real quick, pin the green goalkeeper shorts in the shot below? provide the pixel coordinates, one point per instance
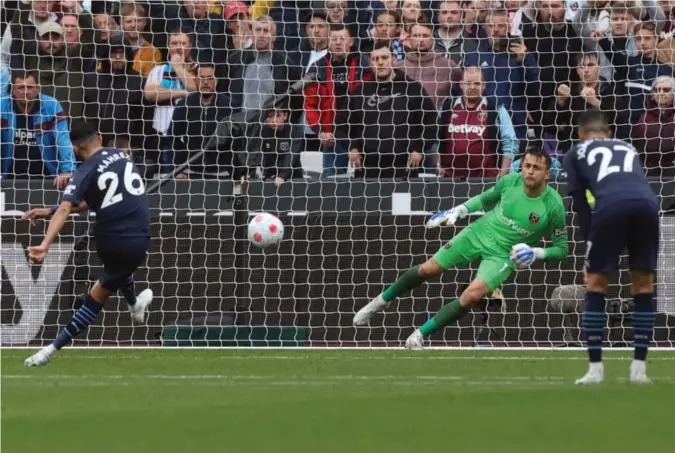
(466, 248)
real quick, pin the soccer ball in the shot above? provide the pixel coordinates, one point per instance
(265, 230)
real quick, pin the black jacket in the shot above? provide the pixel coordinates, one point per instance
(114, 102)
(556, 52)
(387, 121)
(564, 122)
(458, 49)
(192, 126)
(277, 153)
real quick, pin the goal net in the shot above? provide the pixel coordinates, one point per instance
(411, 107)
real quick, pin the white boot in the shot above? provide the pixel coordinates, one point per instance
(415, 342)
(363, 316)
(41, 358)
(638, 373)
(595, 375)
(137, 311)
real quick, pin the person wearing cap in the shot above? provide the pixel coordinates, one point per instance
(114, 95)
(259, 8)
(238, 26)
(60, 75)
(20, 37)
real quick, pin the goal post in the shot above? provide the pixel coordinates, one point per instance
(347, 236)
(302, 294)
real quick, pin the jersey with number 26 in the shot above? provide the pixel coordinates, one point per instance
(112, 187)
(610, 169)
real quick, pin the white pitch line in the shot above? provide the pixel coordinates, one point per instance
(348, 349)
(320, 381)
(318, 355)
(196, 377)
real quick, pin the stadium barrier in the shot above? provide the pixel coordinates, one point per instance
(344, 241)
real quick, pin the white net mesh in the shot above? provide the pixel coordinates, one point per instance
(408, 108)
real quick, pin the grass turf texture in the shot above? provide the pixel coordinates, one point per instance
(332, 401)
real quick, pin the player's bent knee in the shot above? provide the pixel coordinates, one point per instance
(474, 293)
(431, 268)
(642, 282)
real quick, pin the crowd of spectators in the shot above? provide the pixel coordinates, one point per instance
(455, 88)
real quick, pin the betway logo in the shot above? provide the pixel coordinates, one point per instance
(511, 224)
(466, 129)
(33, 295)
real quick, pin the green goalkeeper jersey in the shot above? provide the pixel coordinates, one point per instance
(517, 218)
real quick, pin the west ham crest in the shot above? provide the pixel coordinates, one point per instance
(534, 218)
(482, 116)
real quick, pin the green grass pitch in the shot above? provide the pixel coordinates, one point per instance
(297, 401)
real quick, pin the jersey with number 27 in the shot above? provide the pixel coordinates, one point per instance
(610, 169)
(112, 187)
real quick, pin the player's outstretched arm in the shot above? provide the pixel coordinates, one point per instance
(39, 253)
(478, 203)
(38, 213)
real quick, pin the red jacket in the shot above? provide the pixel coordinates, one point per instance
(319, 97)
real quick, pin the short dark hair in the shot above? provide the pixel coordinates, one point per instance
(340, 27)
(584, 55)
(424, 24)
(381, 45)
(181, 31)
(81, 132)
(206, 64)
(23, 74)
(645, 26)
(538, 153)
(593, 121)
(390, 12)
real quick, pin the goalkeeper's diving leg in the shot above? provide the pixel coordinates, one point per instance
(118, 276)
(417, 275)
(461, 250)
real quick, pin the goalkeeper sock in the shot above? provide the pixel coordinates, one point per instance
(81, 320)
(643, 324)
(129, 292)
(594, 320)
(406, 282)
(447, 314)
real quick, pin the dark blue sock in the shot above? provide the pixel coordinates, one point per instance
(129, 292)
(643, 324)
(81, 320)
(594, 320)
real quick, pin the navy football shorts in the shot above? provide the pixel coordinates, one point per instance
(630, 224)
(121, 258)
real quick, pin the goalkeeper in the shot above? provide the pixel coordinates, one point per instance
(525, 210)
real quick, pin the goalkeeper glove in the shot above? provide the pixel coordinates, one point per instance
(447, 217)
(522, 255)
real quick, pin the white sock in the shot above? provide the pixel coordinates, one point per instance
(50, 350)
(596, 367)
(638, 366)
